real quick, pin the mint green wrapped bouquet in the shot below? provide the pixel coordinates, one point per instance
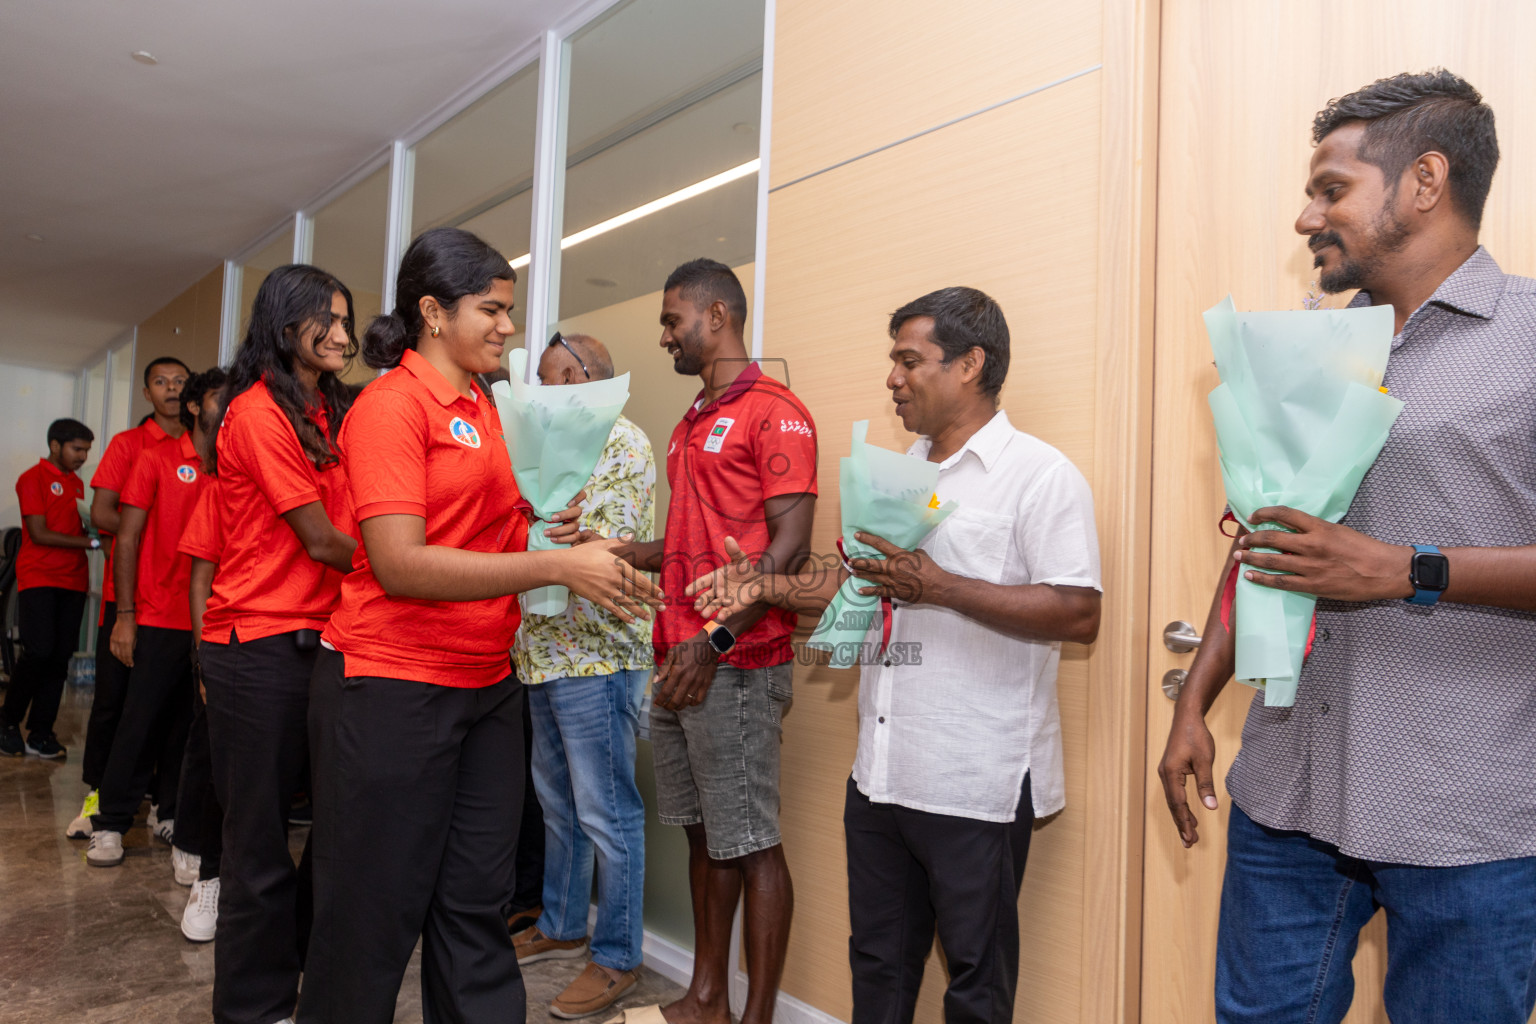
(555, 436)
(1300, 417)
(888, 494)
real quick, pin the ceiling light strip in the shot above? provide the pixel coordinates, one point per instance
(654, 206)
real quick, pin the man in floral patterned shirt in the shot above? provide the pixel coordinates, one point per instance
(585, 671)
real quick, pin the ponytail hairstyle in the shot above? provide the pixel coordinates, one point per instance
(445, 263)
(293, 301)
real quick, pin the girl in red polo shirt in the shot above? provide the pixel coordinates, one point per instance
(284, 516)
(416, 717)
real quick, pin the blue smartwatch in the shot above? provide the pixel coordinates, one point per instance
(1430, 573)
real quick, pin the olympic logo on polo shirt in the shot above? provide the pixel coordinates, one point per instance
(464, 432)
(186, 474)
(57, 488)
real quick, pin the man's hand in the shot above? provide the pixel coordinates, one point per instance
(727, 590)
(1324, 559)
(686, 673)
(124, 632)
(1191, 750)
(910, 576)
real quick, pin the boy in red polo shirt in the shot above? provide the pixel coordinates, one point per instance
(742, 463)
(52, 578)
(163, 381)
(152, 636)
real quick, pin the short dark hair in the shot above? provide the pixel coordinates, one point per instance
(704, 282)
(65, 431)
(963, 319)
(196, 389)
(150, 366)
(1409, 115)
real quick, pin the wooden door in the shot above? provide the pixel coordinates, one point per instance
(1239, 83)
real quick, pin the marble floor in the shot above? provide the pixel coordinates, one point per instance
(87, 945)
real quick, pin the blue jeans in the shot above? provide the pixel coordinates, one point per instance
(1461, 941)
(584, 772)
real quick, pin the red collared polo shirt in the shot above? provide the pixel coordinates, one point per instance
(414, 446)
(267, 584)
(755, 442)
(112, 475)
(166, 482)
(46, 490)
(203, 538)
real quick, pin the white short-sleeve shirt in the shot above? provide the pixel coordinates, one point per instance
(951, 723)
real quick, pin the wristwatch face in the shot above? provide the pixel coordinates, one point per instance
(721, 639)
(1430, 571)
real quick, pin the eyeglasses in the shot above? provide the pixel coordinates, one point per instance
(558, 340)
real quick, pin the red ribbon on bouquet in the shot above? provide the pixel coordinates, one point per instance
(1229, 590)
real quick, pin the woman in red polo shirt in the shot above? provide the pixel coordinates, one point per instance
(284, 516)
(416, 717)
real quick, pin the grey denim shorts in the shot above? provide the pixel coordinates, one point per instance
(717, 763)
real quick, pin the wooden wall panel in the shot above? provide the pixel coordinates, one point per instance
(849, 77)
(845, 249)
(1239, 86)
(186, 328)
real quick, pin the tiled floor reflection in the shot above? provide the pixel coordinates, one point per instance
(87, 945)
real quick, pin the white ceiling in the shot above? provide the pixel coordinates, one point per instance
(140, 179)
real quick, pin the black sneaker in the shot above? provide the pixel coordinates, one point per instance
(46, 746)
(10, 741)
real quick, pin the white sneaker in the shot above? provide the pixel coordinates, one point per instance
(185, 865)
(164, 830)
(201, 917)
(106, 849)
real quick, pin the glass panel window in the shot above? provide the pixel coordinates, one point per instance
(476, 173)
(661, 160)
(349, 241)
(276, 253)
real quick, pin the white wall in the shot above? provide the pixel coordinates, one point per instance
(29, 400)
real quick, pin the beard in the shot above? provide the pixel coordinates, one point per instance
(1356, 270)
(690, 355)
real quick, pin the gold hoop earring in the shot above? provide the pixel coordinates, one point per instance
(434, 330)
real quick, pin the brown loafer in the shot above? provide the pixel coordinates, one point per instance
(594, 990)
(533, 945)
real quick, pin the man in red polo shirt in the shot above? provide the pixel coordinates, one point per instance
(51, 578)
(741, 463)
(153, 632)
(163, 380)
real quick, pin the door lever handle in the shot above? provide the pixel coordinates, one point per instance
(1180, 637)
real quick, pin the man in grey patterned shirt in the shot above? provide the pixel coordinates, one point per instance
(1403, 776)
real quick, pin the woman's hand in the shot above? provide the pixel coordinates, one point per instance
(596, 572)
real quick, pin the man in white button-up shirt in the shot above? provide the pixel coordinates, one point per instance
(959, 746)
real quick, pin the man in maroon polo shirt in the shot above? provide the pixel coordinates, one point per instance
(741, 463)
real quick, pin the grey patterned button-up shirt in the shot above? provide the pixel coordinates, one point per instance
(1413, 736)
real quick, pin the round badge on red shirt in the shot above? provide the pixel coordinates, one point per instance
(186, 474)
(464, 432)
(57, 488)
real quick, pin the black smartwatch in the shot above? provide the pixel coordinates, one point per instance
(720, 638)
(1430, 573)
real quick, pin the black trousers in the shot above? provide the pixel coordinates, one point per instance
(106, 705)
(199, 815)
(530, 842)
(258, 705)
(49, 621)
(158, 704)
(418, 792)
(910, 872)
